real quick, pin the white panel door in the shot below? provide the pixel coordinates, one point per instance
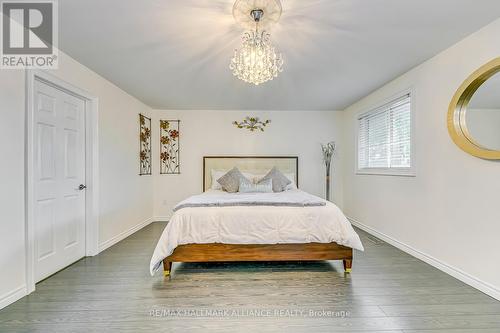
(59, 150)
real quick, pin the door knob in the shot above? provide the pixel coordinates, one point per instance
(82, 187)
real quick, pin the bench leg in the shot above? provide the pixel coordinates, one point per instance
(167, 266)
(347, 265)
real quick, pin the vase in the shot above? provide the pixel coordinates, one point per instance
(327, 182)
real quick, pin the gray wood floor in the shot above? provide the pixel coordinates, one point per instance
(388, 291)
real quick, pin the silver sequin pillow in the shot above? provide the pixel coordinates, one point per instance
(230, 182)
(279, 180)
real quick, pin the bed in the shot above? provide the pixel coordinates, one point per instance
(288, 226)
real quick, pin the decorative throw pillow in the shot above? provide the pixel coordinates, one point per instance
(293, 184)
(256, 177)
(216, 174)
(230, 182)
(278, 179)
(262, 187)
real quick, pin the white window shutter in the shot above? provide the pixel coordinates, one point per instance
(384, 136)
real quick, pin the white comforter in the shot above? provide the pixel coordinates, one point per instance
(254, 225)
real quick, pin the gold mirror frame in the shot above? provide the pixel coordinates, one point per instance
(457, 126)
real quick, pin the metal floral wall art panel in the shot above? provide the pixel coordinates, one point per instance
(145, 145)
(169, 146)
(252, 124)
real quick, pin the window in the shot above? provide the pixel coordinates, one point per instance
(384, 139)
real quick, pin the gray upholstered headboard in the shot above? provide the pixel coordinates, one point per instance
(253, 164)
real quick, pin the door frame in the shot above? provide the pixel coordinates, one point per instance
(91, 167)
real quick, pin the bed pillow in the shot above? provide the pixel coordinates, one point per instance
(216, 174)
(262, 187)
(293, 184)
(279, 180)
(230, 182)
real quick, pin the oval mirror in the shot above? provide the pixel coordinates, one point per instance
(482, 116)
(474, 114)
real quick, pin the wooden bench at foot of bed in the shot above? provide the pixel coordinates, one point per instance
(216, 252)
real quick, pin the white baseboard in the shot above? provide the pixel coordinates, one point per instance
(448, 269)
(12, 296)
(161, 218)
(121, 236)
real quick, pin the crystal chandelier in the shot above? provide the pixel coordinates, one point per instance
(257, 60)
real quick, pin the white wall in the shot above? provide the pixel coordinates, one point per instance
(449, 211)
(126, 200)
(212, 133)
(12, 252)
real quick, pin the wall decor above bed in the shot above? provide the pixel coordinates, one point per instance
(144, 145)
(169, 147)
(252, 124)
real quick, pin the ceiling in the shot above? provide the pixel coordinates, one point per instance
(174, 54)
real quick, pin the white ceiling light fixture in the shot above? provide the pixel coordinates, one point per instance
(257, 61)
